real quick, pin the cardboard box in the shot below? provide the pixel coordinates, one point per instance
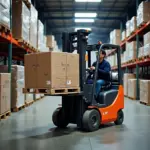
(50, 41)
(132, 89)
(147, 38)
(20, 20)
(17, 83)
(72, 70)
(143, 13)
(127, 76)
(4, 92)
(123, 35)
(115, 37)
(147, 49)
(128, 32)
(133, 24)
(144, 91)
(141, 52)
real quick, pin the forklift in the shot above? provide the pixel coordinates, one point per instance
(83, 109)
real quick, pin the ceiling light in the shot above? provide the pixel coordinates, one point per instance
(83, 29)
(84, 20)
(85, 15)
(88, 0)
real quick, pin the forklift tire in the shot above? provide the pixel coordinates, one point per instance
(59, 119)
(120, 118)
(91, 120)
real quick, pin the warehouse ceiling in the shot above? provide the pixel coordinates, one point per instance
(59, 16)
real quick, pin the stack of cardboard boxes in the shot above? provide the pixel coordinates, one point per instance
(144, 91)
(4, 13)
(115, 37)
(133, 23)
(4, 93)
(146, 44)
(143, 13)
(51, 70)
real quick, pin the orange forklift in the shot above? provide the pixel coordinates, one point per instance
(83, 109)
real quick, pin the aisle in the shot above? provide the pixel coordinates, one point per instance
(32, 128)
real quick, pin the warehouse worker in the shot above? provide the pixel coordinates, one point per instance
(103, 71)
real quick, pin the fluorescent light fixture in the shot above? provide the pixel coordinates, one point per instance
(76, 29)
(84, 20)
(85, 15)
(88, 0)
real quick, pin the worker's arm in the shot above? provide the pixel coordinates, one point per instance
(106, 70)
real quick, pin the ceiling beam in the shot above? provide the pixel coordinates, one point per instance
(72, 18)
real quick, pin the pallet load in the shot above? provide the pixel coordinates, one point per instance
(143, 13)
(132, 88)
(115, 37)
(29, 99)
(20, 21)
(127, 76)
(141, 52)
(51, 73)
(50, 41)
(123, 35)
(17, 83)
(33, 26)
(4, 95)
(4, 13)
(147, 44)
(128, 32)
(144, 92)
(41, 41)
(133, 24)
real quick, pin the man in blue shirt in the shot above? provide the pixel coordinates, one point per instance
(103, 71)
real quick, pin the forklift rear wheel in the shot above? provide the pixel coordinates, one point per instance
(120, 118)
(59, 118)
(91, 120)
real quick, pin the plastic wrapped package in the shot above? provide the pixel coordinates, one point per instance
(127, 51)
(132, 89)
(143, 13)
(4, 13)
(141, 52)
(123, 35)
(29, 98)
(132, 50)
(17, 82)
(37, 96)
(115, 36)
(128, 32)
(20, 20)
(33, 26)
(147, 49)
(147, 38)
(133, 24)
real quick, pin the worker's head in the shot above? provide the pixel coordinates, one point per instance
(102, 54)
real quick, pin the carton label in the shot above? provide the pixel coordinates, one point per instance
(48, 82)
(68, 82)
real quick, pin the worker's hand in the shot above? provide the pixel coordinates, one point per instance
(92, 68)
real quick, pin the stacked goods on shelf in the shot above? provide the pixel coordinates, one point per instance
(17, 82)
(115, 37)
(4, 93)
(141, 52)
(132, 88)
(128, 32)
(50, 41)
(29, 98)
(123, 35)
(143, 13)
(112, 59)
(146, 44)
(41, 39)
(127, 76)
(4, 13)
(144, 91)
(20, 20)
(52, 70)
(33, 26)
(133, 24)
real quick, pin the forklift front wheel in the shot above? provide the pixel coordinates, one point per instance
(91, 120)
(59, 118)
(120, 118)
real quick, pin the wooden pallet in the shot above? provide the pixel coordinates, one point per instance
(29, 103)
(144, 103)
(131, 98)
(5, 115)
(132, 32)
(52, 91)
(142, 24)
(4, 28)
(16, 109)
(131, 61)
(144, 57)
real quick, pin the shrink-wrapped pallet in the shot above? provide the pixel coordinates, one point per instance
(132, 88)
(133, 24)
(127, 76)
(115, 37)
(143, 13)
(20, 20)
(141, 52)
(4, 13)
(123, 35)
(128, 32)
(132, 50)
(50, 41)
(144, 91)
(33, 26)
(17, 82)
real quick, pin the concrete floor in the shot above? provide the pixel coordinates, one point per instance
(33, 128)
